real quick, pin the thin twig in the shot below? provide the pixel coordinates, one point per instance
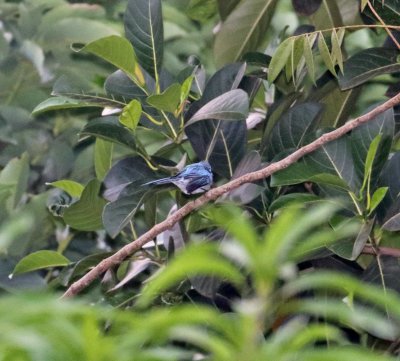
(384, 25)
(381, 251)
(214, 193)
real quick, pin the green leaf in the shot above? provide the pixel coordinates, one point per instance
(15, 176)
(336, 55)
(332, 164)
(372, 150)
(118, 85)
(118, 213)
(123, 187)
(364, 3)
(249, 21)
(351, 248)
(338, 104)
(363, 136)
(225, 7)
(233, 105)
(325, 54)
(169, 100)
(286, 200)
(368, 64)
(39, 260)
(377, 198)
(308, 54)
(387, 10)
(300, 173)
(279, 59)
(328, 16)
(62, 102)
(201, 10)
(185, 88)
(231, 138)
(85, 214)
(292, 128)
(295, 57)
(74, 189)
(144, 29)
(103, 151)
(117, 51)
(131, 113)
(392, 224)
(110, 129)
(197, 259)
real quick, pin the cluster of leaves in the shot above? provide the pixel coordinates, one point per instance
(155, 113)
(289, 317)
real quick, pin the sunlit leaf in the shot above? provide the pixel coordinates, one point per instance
(39, 260)
(85, 214)
(130, 115)
(279, 59)
(74, 189)
(325, 54)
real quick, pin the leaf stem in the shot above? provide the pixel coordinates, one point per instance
(170, 126)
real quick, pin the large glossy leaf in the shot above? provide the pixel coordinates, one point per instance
(230, 139)
(249, 21)
(85, 214)
(338, 104)
(144, 29)
(362, 137)
(367, 64)
(385, 271)
(124, 172)
(123, 187)
(293, 128)
(232, 105)
(387, 10)
(244, 194)
(117, 214)
(62, 102)
(39, 260)
(109, 128)
(119, 85)
(331, 164)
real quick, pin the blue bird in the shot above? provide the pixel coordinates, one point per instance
(194, 178)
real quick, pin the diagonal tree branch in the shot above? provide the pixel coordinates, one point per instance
(214, 193)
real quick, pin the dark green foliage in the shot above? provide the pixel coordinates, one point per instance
(304, 262)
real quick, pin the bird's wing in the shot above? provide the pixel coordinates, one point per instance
(196, 183)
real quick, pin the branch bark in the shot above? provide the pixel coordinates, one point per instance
(214, 193)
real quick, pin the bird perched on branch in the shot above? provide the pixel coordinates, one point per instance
(194, 178)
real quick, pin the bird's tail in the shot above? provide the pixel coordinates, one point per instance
(158, 182)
